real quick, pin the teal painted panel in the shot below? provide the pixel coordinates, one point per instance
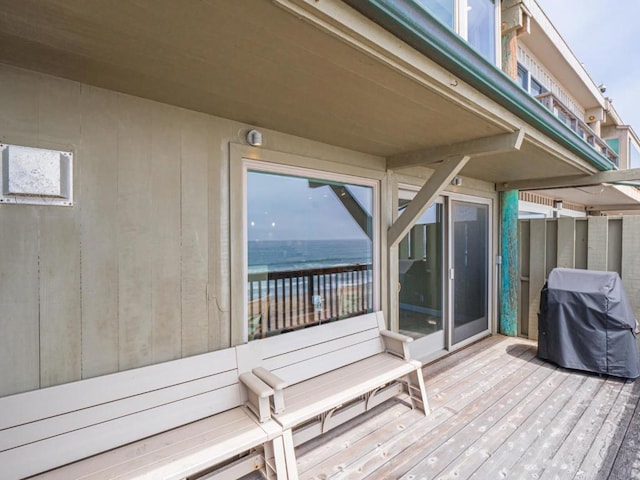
(614, 143)
(510, 275)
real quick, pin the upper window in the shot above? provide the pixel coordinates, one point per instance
(528, 82)
(523, 78)
(310, 244)
(443, 10)
(536, 88)
(634, 155)
(473, 20)
(481, 27)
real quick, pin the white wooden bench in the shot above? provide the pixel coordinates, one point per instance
(325, 375)
(165, 421)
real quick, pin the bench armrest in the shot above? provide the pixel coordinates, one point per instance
(274, 382)
(258, 394)
(396, 343)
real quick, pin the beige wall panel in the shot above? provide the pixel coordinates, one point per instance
(598, 248)
(19, 92)
(219, 248)
(59, 118)
(96, 188)
(631, 260)
(537, 271)
(566, 243)
(134, 232)
(195, 238)
(166, 146)
(59, 123)
(19, 326)
(60, 318)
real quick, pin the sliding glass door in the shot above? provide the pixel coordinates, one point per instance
(444, 273)
(470, 275)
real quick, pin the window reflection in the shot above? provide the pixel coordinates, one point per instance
(310, 252)
(441, 9)
(481, 25)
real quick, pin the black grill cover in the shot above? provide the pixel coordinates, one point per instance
(586, 323)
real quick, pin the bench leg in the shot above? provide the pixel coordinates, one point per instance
(417, 391)
(274, 460)
(290, 455)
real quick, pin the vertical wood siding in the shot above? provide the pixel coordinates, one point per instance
(120, 279)
(594, 243)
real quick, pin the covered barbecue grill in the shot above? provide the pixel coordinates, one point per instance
(586, 323)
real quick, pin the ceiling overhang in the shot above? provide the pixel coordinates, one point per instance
(317, 70)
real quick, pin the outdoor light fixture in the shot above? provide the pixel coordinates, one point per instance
(456, 182)
(254, 138)
(557, 204)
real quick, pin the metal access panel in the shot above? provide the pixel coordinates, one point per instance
(36, 176)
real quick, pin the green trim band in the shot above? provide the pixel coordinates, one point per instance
(412, 24)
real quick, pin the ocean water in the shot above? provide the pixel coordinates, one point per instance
(281, 255)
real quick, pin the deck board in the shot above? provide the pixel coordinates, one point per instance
(498, 412)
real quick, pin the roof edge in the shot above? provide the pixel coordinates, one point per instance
(412, 24)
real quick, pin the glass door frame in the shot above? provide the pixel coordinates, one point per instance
(452, 197)
(430, 343)
(419, 347)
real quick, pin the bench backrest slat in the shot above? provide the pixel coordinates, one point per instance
(313, 367)
(276, 360)
(71, 446)
(225, 384)
(307, 353)
(127, 406)
(29, 406)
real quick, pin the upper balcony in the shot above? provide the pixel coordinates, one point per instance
(551, 101)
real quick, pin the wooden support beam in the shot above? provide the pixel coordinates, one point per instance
(441, 177)
(473, 148)
(612, 176)
(350, 203)
(359, 214)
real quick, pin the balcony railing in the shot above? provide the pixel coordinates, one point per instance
(288, 300)
(552, 102)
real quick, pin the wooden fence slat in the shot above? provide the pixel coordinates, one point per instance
(566, 242)
(537, 273)
(598, 247)
(631, 260)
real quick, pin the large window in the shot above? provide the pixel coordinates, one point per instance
(310, 244)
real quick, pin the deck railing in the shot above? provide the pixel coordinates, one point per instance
(561, 111)
(287, 300)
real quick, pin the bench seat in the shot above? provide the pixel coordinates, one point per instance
(177, 453)
(324, 375)
(319, 394)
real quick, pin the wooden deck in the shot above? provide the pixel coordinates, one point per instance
(497, 412)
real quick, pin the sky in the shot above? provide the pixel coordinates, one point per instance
(603, 35)
(281, 207)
